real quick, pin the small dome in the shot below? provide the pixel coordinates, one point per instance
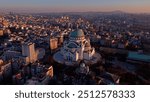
(77, 34)
(82, 65)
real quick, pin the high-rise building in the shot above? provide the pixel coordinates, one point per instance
(28, 50)
(60, 39)
(53, 43)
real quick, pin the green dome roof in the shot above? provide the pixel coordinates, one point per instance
(77, 33)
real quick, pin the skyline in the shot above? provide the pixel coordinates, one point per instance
(48, 46)
(131, 6)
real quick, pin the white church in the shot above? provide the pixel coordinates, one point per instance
(76, 49)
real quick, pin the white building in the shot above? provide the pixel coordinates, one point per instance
(78, 47)
(28, 50)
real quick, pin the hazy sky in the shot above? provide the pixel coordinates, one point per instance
(76, 5)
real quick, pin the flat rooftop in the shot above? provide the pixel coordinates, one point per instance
(139, 57)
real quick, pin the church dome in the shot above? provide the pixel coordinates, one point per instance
(77, 33)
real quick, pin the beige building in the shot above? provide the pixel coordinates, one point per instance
(30, 54)
(60, 39)
(28, 50)
(53, 43)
